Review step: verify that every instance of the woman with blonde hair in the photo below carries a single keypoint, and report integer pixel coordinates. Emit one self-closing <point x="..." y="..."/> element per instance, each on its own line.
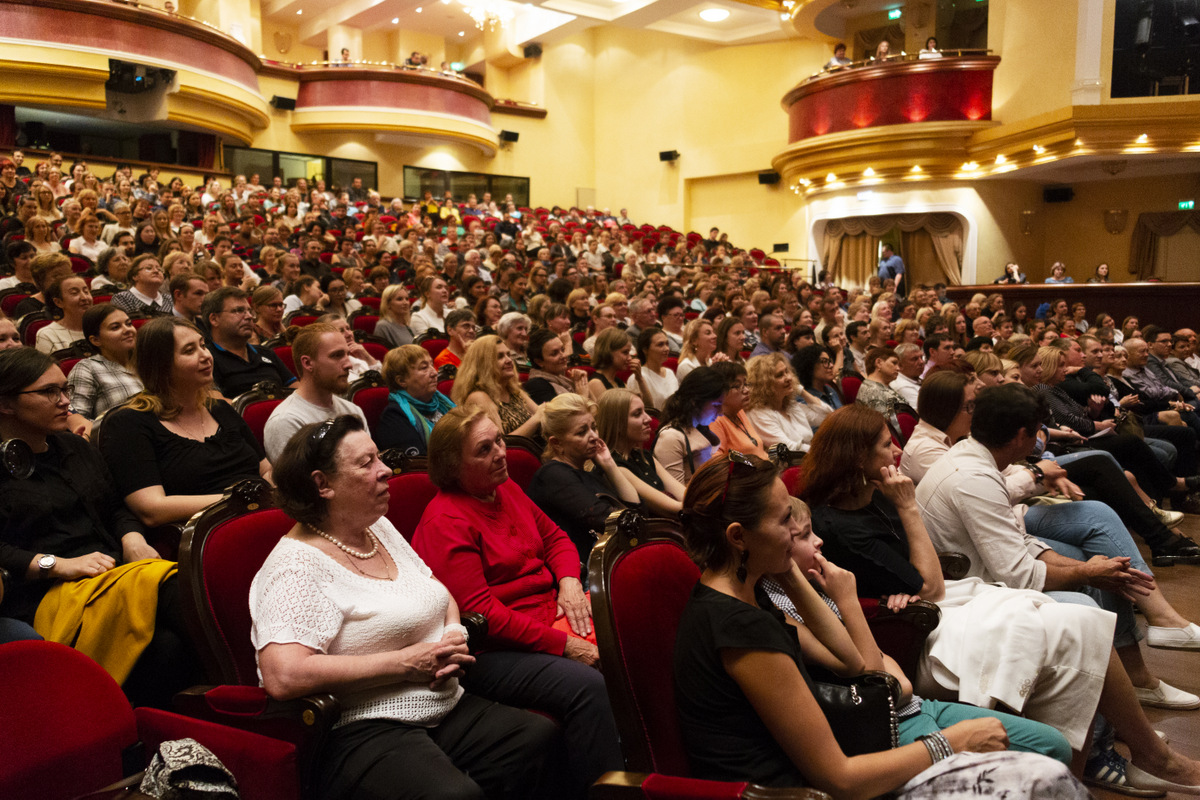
<point x="699" y="347"/>
<point x="37" y="233"/>
<point x="47" y="209"/>
<point x="774" y="408"/>
<point x="393" y="325"/>
<point x="488" y="378"/>
<point x="907" y="331"/>
<point x="267" y="303"/>
<point x="628" y="430"/>
<point x="574" y="497"/>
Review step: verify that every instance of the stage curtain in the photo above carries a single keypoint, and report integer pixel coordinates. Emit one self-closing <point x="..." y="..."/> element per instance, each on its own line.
<point x="1143" y="245"/>
<point x="935" y="257"/>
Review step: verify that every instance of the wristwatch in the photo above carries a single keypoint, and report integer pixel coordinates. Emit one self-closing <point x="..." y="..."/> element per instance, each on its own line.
<point x="45" y="564"/>
<point x="1038" y="475"/>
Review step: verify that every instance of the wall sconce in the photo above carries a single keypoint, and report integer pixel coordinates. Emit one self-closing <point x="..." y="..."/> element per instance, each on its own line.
<point x="1115" y="220"/>
<point x="1027" y="222"/>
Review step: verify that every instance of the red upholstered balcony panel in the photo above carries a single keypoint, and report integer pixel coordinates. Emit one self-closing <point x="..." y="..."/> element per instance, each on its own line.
<point x="390" y="95"/>
<point x="950" y="89"/>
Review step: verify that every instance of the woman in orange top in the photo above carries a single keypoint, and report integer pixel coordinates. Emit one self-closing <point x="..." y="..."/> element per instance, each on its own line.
<point x="733" y="427"/>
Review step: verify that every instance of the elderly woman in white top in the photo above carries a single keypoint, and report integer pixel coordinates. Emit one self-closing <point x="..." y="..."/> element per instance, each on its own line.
<point x="66" y="299"/>
<point x="344" y="605"/>
<point x="782" y="410"/>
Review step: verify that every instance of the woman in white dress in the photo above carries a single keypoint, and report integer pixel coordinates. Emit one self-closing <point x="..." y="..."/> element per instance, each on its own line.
<point x="657" y="383"/>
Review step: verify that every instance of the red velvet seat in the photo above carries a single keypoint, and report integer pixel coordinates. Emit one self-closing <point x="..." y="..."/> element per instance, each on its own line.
<point x="410" y="493"/>
<point x="850" y="386"/>
<point x="524" y="459"/>
<point x="908" y="423"/>
<point x="10" y="302"/>
<point x="641" y="578"/>
<point x="65" y="726"/>
<point x="446" y="386"/>
<point x="301" y="320"/>
<point x="285" y="355"/>
<point x="68" y="364"/>
<point x="79" y="264"/>
<point x="372" y="401"/>
<point x="434" y="346"/>
<point x="256" y="404"/>
<point x="378" y="351"/>
<point x="222" y="550"/>
<point x="30" y="330"/>
<point x="368" y="300"/>
<point x="365" y="322"/>
<point x="671" y="363"/>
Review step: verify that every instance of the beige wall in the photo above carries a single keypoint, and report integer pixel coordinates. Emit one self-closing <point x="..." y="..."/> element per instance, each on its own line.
<point x="1036" y="44"/>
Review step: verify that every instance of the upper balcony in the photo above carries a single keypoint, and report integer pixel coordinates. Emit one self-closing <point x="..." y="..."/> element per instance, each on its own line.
<point x="888" y="113"/>
<point x="387" y="98"/>
<point x="57" y="53"/>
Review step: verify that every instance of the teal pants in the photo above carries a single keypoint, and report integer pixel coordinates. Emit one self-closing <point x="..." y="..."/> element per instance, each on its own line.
<point x="1024" y="735"/>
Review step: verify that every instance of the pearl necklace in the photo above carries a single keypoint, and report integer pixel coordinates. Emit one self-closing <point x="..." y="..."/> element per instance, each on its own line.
<point x="364" y="556"/>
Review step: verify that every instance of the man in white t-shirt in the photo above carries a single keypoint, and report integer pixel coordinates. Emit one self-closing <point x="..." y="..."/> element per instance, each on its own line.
<point x="323" y="363"/>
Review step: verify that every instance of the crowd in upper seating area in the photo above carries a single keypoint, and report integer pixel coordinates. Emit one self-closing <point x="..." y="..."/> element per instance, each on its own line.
<point x="647" y="368"/>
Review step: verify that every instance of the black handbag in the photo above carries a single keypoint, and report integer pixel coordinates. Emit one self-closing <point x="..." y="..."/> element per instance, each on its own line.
<point x="860" y="710"/>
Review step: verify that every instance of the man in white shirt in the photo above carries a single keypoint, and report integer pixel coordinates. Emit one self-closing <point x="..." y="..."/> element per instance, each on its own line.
<point x="1091" y="560"/>
<point x="908" y="382"/>
<point x="323" y="362"/>
<point x="124" y="223"/>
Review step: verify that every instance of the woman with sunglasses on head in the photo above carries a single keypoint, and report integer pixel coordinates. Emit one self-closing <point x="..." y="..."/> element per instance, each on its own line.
<point x="745" y="701"/>
<point x="175" y="448"/>
<point x="344" y="605"/>
<point x="66" y="537"/>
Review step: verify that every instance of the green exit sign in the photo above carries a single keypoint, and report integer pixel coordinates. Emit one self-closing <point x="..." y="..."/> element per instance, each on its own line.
<point x="894" y="13"/>
<point x="1187" y="205"/>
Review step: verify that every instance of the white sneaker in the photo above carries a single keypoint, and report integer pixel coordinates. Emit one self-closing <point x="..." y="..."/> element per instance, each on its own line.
<point x="1167" y="696"/>
<point x="1175" y="638"/>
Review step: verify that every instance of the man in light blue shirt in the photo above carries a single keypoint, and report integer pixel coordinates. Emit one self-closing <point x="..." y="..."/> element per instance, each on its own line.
<point x="891" y="266"/>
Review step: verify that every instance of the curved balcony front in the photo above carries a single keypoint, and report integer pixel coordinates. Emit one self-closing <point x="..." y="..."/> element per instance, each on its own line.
<point x="56" y="53"/>
<point x="406" y="103"/>
<point x="884" y="112"/>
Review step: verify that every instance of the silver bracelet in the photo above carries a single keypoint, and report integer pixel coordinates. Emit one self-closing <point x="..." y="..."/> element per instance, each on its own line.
<point x="937" y="745"/>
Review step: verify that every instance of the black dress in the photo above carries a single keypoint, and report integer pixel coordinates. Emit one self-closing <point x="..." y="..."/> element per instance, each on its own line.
<point x="569" y="497"/>
<point x="724" y="737"/>
<point x="871" y="543"/>
<point x="141" y="452"/>
<point x="641" y="464"/>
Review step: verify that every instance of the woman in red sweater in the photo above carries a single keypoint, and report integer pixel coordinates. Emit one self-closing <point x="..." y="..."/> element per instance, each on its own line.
<point x="500" y="556"/>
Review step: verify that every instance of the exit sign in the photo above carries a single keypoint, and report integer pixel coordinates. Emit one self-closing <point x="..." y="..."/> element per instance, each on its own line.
<point x="1187" y="205"/>
<point x="894" y="13"/>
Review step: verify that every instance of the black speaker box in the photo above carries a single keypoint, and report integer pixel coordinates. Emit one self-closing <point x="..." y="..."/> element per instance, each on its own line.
<point x="283" y="103"/>
<point x="1058" y="194"/>
<point x="768" y="178"/>
<point x="668" y="155"/>
<point x="533" y="50"/>
<point x="509" y="136"/>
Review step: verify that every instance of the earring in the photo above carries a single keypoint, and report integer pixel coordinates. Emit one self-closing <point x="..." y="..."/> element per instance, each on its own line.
<point x="741" y="570"/>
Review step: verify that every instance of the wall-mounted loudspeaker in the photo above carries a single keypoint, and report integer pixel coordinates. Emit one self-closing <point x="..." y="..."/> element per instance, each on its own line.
<point x="533" y="50"/>
<point x="668" y="155"/>
<point x="283" y="103"/>
<point x="1058" y="194"/>
<point x="509" y="136"/>
<point x="780" y="247"/>
<point x="769" y="177"/>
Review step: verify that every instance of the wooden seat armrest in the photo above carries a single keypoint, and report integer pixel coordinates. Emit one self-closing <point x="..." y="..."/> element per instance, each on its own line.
<point x="303" y="721"/>
<point x="954" y="566"/>
<point x="921" y="614"/>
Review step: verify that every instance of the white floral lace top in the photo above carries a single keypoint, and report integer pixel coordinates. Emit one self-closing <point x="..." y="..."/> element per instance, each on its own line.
<point x="301" y="595"/>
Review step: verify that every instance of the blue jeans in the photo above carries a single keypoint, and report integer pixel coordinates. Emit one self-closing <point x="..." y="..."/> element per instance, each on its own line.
<point x="1025" y="735"/>
<point x="1081" y="530"/>
<point x="13" y="630"/>
<point x="1166" y="452"/>
<point x="1067" y="458"/>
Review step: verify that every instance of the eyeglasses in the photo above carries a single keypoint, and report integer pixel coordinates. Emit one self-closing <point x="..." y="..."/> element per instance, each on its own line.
<point x="825" y="361"/>
<point x="241" y="311"/>
<point x="53" y="392"/>
<point x="736" y="460"/>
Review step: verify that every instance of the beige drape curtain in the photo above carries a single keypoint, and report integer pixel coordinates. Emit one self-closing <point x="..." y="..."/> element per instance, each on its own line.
<point x="930" y="245"/>
<point x="866" y="41"/>
<point x="1143" y="245"/>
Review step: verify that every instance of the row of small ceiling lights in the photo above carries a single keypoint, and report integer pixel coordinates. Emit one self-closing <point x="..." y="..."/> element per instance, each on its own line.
<point x="396" y="20"/>
<point x="967" y="170"/>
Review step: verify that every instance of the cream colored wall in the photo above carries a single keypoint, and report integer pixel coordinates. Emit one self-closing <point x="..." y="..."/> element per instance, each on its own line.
<point x="1036" y="44"/>
<point x="297" y="52"/>
<point x="1079" y="239"/>
<point x="753" y="215"/>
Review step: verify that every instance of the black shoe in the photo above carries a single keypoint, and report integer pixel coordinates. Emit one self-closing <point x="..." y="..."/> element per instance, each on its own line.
<point x="1188" y="503"/>
<point x="1181" y="550"/>
<point x="1192" y="483"/>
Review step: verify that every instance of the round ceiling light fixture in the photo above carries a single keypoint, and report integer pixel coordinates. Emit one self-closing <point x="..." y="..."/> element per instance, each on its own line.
<point x="714" y="15"/>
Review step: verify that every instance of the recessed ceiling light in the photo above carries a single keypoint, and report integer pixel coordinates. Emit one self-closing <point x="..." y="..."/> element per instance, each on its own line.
<point x="462" y="33"/>
<point x="299" y="11"/>
<point x="419" y="9"/>
<point x="714" y="15"/>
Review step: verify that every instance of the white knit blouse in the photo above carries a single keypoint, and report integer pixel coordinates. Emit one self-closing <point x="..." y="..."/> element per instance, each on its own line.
<point x="302" y="595"/>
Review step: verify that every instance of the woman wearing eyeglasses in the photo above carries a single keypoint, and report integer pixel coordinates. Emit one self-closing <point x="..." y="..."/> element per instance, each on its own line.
<point x="817" y="372"/>
<point x="67" y="538"/>
<point x="175" y="448"/>
<point x="267" y="302"/>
